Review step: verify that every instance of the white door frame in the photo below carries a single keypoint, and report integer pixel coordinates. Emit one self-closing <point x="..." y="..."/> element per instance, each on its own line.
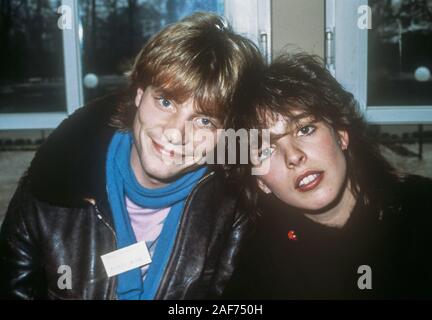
<point x="252" y="19"/>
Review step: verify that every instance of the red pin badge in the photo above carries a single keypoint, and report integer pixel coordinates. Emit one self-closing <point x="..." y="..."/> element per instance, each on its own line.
<point x="292" y="236"/>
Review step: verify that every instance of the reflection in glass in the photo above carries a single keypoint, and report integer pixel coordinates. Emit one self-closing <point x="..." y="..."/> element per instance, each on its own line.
<point x="400" y="53"/>
<point x="31" y="57"/>
<point x="115" y="30"/>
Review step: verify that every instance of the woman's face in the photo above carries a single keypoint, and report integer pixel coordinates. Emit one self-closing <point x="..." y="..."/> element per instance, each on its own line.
<point x="307" y="168"/>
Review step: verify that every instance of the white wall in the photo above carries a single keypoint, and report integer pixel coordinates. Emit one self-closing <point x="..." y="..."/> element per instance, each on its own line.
<point x="298" y="24"/>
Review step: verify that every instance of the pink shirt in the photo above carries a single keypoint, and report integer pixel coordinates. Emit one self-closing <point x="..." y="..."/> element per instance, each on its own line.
<point x="146" y="223"/>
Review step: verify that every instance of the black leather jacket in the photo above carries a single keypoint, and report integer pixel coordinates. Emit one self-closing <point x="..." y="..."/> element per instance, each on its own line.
<point x="60" y="215"/>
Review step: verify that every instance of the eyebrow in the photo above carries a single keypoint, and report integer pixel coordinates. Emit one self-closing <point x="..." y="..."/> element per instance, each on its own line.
<point x="160" y="94"/>
<point x="211" y="116"/>
<point x="300" y="116"/>
<point x="293" y="120"/>
<point x="198" y="109"/>
<point x="275" y="137"/>
<point x="204" y="114"/>
<point x="164" y="93"/>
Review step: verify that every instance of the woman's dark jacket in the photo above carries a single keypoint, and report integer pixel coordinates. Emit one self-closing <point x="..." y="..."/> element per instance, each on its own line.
<point x="60" y="216"/>
<point x="292" y="257"/>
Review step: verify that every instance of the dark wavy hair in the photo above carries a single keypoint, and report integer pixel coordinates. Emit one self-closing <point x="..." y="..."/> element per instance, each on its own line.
<point x="300" y="82"/>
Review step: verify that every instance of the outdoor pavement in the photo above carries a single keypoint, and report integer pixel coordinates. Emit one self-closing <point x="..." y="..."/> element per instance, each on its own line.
<point x="12" y="166"/>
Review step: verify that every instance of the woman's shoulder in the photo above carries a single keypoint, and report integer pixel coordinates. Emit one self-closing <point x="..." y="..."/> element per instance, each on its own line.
<point x="413" y="199"/>
<point x="415" y="180"/>
<point x="408" y="201"/>
<point x="415" y="188"/>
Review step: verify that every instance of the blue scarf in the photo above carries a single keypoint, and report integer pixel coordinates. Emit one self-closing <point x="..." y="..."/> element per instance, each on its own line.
<point x="121" y="181"/>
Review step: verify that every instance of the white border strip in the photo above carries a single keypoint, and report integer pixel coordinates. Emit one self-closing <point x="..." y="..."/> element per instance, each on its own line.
<point x="72" y="60"/>
<point x="40" y="120"/>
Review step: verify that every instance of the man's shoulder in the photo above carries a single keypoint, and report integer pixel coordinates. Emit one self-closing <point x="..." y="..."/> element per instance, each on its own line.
<point x="95" y="113"/>
<point x="86" y="120"/>
<point x="70" y="163"/>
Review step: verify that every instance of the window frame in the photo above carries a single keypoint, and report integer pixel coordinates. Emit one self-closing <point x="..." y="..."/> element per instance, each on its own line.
<point x="73" y="85"/>
<point x="347" y="59"/>
<point x="257" y="28"/>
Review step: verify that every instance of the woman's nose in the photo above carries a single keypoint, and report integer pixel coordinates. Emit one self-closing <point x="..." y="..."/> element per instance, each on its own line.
<point x="294" y="155"/>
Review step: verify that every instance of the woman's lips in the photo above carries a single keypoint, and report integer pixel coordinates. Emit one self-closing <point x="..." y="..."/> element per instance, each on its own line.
<point x="309" y="180"/>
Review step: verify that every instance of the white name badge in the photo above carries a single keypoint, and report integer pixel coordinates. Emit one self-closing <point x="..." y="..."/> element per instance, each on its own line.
<point x="125" y="259"/>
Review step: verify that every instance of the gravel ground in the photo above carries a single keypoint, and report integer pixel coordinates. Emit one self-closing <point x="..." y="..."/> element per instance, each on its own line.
<point x="12" y="166"/>
<point x="412" y="164"/>
<point x="14" y="163"/>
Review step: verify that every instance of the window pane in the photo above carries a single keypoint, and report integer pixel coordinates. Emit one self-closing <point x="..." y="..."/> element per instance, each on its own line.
<point x="400" y="53"/>
<point x="31" y="57"/>
<point x="115" y="30"/>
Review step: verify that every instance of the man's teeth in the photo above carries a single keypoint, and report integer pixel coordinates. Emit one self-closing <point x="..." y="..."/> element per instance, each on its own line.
<point x="308" y="179"/>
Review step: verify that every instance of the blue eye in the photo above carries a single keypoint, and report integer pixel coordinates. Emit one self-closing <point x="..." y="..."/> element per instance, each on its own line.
<point x="164" y="102"/>
<point x="205" y="123"/>
<point x="265" y="153"/>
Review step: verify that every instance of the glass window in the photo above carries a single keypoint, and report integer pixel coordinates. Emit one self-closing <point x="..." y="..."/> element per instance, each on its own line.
<point x="31" y="57"/>
<point x="54" y="52"/>
<point x="381" y="51"/>
<point x="113" y="32"/>
<point x="400" y="53"/>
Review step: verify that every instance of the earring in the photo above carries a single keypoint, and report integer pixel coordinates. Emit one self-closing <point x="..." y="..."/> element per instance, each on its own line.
<point x="343" y="146"/>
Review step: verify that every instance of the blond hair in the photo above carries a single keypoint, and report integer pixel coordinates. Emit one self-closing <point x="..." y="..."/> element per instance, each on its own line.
<point x="200" y="57"/>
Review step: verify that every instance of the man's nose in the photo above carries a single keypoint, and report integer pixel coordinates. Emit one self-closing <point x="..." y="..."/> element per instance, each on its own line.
<point x="175" y="129"/>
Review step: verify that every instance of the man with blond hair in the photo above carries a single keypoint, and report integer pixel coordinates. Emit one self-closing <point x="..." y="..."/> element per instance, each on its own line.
<point x="113" y="206"/>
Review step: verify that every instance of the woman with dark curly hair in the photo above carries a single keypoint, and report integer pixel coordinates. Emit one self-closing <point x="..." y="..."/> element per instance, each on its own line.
<point x="335" y="219"/>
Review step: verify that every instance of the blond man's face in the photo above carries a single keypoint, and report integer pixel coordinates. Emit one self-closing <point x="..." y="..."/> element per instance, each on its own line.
<point x="170" y="139"/>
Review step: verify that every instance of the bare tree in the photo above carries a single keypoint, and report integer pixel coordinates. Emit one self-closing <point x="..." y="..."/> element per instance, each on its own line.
<point x="132" y="9"/>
